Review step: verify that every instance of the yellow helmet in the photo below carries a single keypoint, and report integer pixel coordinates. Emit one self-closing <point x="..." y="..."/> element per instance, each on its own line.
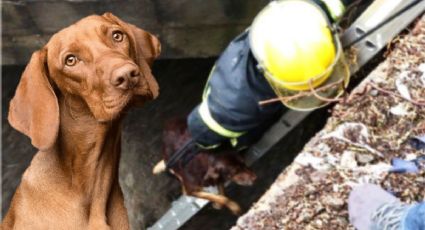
<point x="293" y="43"/>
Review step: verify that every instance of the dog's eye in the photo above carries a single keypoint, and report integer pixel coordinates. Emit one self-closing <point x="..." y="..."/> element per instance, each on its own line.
<point x="71" y="60"/>
<point x="118" y="36"/>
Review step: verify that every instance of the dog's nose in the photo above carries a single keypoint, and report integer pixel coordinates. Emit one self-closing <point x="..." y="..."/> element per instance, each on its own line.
<point x="125" y="77"/>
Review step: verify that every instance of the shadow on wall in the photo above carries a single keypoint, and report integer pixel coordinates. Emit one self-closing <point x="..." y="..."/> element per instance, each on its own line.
<point x="17" y="150"/>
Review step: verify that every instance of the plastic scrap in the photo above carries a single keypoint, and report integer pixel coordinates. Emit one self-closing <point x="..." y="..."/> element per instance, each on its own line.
<point x="405" y="166"/>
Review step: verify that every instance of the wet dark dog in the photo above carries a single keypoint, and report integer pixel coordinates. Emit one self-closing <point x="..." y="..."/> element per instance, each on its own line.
<point x="205" y="168"/>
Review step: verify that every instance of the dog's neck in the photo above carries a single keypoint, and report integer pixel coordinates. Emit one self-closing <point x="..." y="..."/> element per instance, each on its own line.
<point x="90" y="149"/>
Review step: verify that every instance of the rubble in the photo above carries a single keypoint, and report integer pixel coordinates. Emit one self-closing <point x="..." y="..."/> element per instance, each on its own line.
<point x="366" y="131"/>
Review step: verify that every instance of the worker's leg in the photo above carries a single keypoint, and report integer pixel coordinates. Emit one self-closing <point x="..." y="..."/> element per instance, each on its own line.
<point x="372" y="208"/>
<point x="362" y="203"/>
<point x="415" y="218"/>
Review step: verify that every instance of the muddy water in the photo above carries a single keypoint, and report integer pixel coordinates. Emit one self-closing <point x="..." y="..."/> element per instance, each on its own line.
<point x="148" y="196"/>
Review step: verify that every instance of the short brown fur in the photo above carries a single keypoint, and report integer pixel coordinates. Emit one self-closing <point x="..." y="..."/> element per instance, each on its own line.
<point x="72" y="114"/>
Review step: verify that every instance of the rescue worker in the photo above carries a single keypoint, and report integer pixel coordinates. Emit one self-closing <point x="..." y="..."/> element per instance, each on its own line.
<point x="290" y="40"/>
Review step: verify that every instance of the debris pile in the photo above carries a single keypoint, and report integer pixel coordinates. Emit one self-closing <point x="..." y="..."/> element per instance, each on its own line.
<point x="365" y="133"/>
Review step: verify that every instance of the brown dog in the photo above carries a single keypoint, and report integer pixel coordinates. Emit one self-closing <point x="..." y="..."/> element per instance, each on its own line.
<point x="205" y="168"/>
<point x="69" y="102"/>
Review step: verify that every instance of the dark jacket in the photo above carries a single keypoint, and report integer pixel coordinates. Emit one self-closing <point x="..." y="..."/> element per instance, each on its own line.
<point x="234" y="88"/>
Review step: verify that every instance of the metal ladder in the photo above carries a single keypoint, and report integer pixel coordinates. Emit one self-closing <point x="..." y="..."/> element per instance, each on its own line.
<point x="186" y="207"/>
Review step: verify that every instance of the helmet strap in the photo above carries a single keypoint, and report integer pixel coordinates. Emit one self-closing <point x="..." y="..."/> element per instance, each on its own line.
<point x="332" y="8"/>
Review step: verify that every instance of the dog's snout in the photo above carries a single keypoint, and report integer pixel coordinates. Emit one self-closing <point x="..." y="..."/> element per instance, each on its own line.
<point x="125" y="77"/>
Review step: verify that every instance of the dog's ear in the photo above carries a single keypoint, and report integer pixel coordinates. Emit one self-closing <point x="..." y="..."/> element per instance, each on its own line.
<point x="146" y="46"/>
<point x="34" y="109"/>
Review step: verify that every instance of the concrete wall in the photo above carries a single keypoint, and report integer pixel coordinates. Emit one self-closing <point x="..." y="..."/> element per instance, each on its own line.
<point x="186" y="28"/>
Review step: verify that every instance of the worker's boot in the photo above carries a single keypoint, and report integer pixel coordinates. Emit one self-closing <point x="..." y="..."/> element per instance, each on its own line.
<point x="371" y="207"/>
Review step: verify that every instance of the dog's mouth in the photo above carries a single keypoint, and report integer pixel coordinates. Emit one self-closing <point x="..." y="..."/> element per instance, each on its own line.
<point x="143" y="90"/>
<point x="114" y="104"/>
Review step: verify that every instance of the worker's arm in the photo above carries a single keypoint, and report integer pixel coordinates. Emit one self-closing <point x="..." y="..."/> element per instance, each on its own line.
<point x="229" y="111"/>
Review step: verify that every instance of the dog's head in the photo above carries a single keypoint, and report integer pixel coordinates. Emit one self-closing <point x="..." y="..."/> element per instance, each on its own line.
<point x="230" y="165"/>
<point x="100" y="60"/>
<point x="244" y="176"/>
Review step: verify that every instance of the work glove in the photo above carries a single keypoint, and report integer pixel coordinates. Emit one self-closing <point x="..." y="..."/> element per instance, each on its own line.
<point x="407" y="166"/>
